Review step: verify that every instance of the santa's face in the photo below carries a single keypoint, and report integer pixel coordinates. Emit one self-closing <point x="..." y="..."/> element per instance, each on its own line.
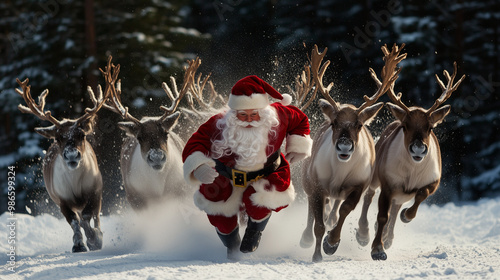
<point x="245" y="134"/>
<point x="250" y="115"/>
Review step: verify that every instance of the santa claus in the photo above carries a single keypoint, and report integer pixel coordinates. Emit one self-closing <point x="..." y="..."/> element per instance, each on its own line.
<point x="236" y="161"/>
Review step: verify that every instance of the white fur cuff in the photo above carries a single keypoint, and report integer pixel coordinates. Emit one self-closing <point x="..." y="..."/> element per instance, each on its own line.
<point x="301" y="144"/>
<point x="227" y="208"/>
<point x="192" y="162"/>
<point x="271" y="199"/>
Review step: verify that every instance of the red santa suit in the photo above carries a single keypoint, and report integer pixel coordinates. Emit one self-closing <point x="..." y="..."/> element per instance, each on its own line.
<point x="225" y="197"/>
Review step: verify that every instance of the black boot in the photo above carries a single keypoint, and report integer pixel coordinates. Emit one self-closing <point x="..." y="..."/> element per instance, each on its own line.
<point x="252" y="235"/>
<point x="232" y="242"/>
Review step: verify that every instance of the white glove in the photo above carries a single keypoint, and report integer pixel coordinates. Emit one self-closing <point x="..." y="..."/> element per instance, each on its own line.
<point x="205" y="174"/>
<point x="293" y="157"/>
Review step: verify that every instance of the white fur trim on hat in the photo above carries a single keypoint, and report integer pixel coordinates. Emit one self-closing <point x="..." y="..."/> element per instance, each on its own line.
<point x="287" y="99"/>
<point x="271" y="199"/>
<point x="192" y="162"/>
<point x="243" y="102"/>
<point x="227" y="208"/>
<point x="301" y="144"/>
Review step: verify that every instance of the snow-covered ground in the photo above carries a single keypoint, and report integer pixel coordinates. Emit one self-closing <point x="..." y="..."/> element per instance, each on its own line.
<point x="176" y="242"/>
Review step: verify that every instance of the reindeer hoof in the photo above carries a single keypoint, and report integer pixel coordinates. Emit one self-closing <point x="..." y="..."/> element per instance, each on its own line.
<point x="382" y="256"/>
<point x="403" y="216"/>
<point x="378" y="254"/>
<point x="79" y="248"/>
<point x="317" y="258"/>
<point x="96" y="242"/>
<point x="363" y="240"/>
<point x="330" y="249"/>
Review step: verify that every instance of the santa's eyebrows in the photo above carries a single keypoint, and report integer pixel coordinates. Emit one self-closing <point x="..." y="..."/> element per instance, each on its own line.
<point x="245" y="112"/>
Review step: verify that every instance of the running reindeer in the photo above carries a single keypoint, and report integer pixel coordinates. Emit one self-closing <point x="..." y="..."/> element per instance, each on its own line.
<point x="70" y="169"/>
<point x="150" y="158"/>
<point x="408" y="164"/>
<point x="343" y="153"/>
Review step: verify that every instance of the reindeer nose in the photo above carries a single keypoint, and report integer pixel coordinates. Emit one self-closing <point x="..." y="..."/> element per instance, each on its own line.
<point x="71" y="154"/>
<point x="72" y="157"/>
<point x="344" y="147"/>
<point x="418" y="147"/>
<point x="418" y="150"/>
<point x="156" y="158"/>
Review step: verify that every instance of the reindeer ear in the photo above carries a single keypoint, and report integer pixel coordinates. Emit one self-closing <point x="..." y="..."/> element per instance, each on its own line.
<point x="47" y="132"/>
<point x="130" y="128"/>
<point x="438" y="115"/>
<point x="368" y="114"/>
<point x="171" y="121"/>
<point x="329" y="111"/>
<point x="396" y="111"/>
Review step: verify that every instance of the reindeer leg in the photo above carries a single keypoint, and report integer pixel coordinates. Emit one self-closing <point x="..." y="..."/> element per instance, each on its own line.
<point x="307" y="235"/>
<point x="318" y="201"/>
<point x="136" y="200"/>
<point x="363" y="233"/>
<point x="74" y="221"/>
<point x="384" y="203"/>
<point x="409" y="214"/>
<point x="94" y="235"/>
<point x="333" y="216"/>
<point x="388" y="234"/>
<point x="332" y="240"/>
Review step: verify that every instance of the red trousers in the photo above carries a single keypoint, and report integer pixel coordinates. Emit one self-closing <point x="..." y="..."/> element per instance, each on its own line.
<point x="226" y="224"/>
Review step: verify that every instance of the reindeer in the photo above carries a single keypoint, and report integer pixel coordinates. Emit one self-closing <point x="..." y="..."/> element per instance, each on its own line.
<point x="70" y="169"/>
<point x="343" y="153"/>
<point x="151" y="154"/>
<point x="408" y="164"/>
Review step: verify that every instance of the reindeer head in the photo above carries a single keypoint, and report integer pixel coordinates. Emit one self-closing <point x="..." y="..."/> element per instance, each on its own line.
<point x="69" y="135"/>
<point x="346" y="120"/>
<point x="346" y="123"/>
<point x="152" y="133"/>
<point x="417" y="123"/>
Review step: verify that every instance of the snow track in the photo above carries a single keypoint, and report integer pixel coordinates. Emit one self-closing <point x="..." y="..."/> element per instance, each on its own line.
<point x="177" y="242"/>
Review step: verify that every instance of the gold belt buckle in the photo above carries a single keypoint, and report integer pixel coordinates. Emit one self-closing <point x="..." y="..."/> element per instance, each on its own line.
<point x="239" y="178"/>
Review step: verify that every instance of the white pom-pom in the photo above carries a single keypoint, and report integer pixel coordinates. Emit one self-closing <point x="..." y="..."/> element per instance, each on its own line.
<point x="287" y="99"/>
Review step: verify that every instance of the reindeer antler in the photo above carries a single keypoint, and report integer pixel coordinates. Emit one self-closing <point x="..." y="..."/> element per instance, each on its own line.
<point x="33" y="108"/>
<point x="304" y="85"/>
<point x="389" y="74"/>
<point x="448" y="89"/>
<point x="176" y="95"/>
<point x="318" y="72"/>
<point x="113" y="88"/>
<point x="196" y="93"/>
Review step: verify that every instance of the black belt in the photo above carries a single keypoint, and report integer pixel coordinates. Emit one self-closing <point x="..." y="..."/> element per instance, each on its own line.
<point x="241" y="178"/>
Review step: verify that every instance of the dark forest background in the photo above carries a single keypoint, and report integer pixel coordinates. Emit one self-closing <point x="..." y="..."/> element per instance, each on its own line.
<point x="60" y="44"/>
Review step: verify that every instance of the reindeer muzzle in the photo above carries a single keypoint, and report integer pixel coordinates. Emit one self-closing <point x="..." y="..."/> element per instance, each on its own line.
<point x="156" y="158"/>
<point x="344" y="147"/>
<point x="418" y="150"/>
<point x="72" y="157"/>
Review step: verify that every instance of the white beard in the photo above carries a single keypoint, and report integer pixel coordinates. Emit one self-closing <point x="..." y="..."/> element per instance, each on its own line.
<point x="247" y="143"/>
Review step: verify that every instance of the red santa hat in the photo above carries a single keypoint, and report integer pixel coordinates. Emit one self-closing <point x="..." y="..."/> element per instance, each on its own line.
<point x="251" y="93"/>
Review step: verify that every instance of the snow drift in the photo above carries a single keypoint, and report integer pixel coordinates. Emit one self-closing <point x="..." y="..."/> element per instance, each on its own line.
<point x="175" y="241"/>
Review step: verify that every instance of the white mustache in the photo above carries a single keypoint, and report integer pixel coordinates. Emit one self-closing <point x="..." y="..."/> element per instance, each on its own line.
<point x="245" y="124"/>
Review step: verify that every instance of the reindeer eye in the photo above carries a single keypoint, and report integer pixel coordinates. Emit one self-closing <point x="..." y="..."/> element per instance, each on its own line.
<point x="335" y="123"/>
